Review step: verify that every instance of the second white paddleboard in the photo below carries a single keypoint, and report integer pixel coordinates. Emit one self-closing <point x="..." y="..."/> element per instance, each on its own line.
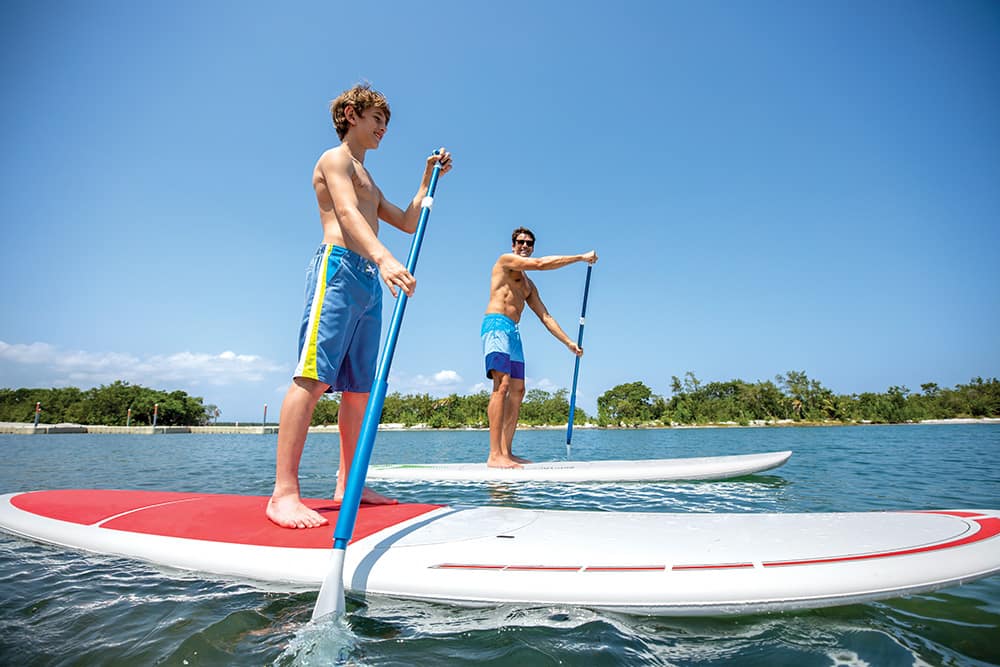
<point x="650" y="470"/>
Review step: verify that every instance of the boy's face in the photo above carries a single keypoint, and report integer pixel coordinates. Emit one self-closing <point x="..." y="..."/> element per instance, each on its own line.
<point x="370" y="126"/>
<point x="524" y="245"/>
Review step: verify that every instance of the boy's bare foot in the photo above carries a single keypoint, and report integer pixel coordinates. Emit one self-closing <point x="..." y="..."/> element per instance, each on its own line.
<point x="519" y="459"/>
<point x="289" y="512"/>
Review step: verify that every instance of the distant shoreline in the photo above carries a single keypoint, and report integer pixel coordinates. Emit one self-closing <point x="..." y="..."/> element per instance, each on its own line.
<point x="20" y="428"/>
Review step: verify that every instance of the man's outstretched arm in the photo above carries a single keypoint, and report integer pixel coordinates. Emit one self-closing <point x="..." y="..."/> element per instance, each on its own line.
<point x="517" y="263"/>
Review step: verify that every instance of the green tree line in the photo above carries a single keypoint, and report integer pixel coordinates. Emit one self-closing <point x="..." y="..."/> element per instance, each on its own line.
<point x="540" y="408"/>
<point x="791" y="396"/>
<point x="105" y="405"/>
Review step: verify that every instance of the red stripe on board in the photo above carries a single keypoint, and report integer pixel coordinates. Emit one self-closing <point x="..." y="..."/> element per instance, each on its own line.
<point x="988" y="527"/>
<point x="721" y="566"/>
<point x="551" y="568"/>
<point x="508" y="568"/>
<point x="625" y="568"/>
<point x="207" y="516"/>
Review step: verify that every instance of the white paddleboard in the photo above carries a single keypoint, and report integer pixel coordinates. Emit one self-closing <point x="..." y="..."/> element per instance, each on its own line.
<point x="649" y="563"/>
<point x="654" y="470"/>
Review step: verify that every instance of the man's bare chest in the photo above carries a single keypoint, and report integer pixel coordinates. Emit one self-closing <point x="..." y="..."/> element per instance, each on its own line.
<point x="519" y="285"/>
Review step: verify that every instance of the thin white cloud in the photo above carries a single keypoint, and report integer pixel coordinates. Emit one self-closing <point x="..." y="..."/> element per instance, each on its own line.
<point x="26" y="354"/>
<point x="48" y="365"/>
<point x="441" y="383"/>
<point x="447" y="377"/>
<point x="545" y="384"/>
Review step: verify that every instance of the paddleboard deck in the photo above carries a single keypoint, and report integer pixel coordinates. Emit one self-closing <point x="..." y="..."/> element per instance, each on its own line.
<point x="655" y="470"/>
<point x="648" y="563"/>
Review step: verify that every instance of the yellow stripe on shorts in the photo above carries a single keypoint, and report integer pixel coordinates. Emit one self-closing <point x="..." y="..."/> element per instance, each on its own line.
<point x="307" y="364"/>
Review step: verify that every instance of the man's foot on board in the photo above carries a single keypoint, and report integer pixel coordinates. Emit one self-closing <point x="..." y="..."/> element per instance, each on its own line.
<point x="519" y="459"/>
<point x="289" y="512"/>
<point x="502" y="462"/>
<point x="369" y="497"/>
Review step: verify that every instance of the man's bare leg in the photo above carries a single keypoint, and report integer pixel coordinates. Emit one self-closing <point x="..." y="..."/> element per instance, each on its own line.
<point x="352" y="413"/>
<point x="496" y="411"/>
<point x="512" y="412"/>
<point x="285" y="507"/>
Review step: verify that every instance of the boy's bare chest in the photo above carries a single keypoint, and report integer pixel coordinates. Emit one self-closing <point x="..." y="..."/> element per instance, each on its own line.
<point x="364" y="185"/>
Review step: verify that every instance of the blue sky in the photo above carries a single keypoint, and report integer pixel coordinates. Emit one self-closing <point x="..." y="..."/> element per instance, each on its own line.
<point x="771" y="186"/>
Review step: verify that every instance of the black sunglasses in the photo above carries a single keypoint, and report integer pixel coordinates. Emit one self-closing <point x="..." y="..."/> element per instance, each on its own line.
<point x="528" y="242"/>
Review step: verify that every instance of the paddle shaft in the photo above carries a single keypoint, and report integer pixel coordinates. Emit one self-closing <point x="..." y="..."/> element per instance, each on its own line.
<point x="576" y="369"/>
<point x="331" y="595"/>
<point x="376" y="399"/>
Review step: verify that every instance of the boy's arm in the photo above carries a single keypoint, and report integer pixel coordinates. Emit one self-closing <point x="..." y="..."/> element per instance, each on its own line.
<point x="535" y="303"/>
<point x="337" y="172"/>
<point x="518" y="263"/>
<point x="407" y="220"/>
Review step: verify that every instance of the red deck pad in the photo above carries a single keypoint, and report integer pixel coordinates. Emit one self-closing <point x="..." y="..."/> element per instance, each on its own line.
<point x="205" y="516"/>
<point x="88" y="506"/>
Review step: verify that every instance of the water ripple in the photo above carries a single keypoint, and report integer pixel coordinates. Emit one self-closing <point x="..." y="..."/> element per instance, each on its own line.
<point x="62" y="607"/>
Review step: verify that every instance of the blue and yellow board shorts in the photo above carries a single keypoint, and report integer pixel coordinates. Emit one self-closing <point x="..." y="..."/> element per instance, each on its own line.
<point x="338" y="341"/>
<point x="502" y="346"/>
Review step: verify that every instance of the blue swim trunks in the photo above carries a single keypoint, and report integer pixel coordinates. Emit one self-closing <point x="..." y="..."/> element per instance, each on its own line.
<point x="338" y="341"/>
<point x="502" y="346"/>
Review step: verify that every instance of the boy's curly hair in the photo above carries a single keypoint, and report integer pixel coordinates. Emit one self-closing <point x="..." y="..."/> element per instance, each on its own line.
<point x="361" y="97"/>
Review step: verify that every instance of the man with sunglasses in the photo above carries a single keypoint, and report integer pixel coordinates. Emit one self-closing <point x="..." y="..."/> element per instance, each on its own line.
<point x="510" y="290"/>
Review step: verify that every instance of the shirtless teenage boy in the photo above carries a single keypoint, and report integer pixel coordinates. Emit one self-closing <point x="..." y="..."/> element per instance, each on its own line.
<point x="339" y="337"/>
<point x="510" y="289"/>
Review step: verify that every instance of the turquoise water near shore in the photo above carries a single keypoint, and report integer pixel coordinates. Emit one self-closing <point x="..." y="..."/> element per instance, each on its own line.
<point x="68" y="608"/>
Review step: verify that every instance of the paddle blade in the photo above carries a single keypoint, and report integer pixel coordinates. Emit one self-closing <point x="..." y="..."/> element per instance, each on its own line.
<point x="331" y="593"/>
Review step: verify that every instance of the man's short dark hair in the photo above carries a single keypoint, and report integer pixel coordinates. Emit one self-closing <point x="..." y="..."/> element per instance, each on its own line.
<point x="522" y="230"/>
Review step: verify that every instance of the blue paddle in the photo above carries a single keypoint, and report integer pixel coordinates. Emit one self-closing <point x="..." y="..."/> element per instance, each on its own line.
<point x="331" y="593"/>
<point x="576" y="370"/>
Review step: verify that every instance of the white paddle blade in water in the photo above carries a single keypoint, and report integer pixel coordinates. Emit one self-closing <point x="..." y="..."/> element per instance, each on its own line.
<point x="331" y="593"/>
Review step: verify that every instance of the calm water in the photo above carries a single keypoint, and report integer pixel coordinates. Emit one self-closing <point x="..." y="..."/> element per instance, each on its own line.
<point x="68" y="608"/>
